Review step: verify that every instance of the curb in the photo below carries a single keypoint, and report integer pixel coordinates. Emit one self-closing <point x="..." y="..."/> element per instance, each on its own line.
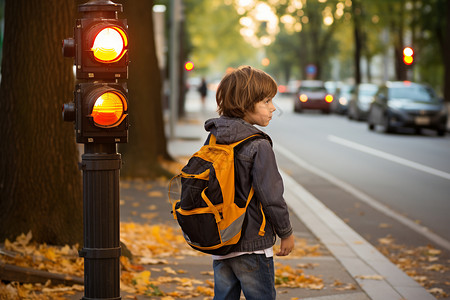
<point x="377" y="276"/>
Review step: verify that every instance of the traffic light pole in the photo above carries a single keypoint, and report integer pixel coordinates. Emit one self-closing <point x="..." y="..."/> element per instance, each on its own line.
<point x="101" y="252"/>
<point x="99" y="112"/>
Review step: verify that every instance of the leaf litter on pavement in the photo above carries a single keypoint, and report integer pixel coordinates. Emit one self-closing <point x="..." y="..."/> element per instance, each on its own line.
<point x="151" y="246"/>
<point x="423" y="264"/>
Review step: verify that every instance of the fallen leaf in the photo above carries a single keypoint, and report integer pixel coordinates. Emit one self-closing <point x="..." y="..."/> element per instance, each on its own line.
<point x="384" y="225"/>
<point x="169" y="270"/>
<point x="370" y="277"/>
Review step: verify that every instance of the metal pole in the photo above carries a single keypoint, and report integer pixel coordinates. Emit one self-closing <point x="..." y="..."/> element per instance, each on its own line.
<point x="101" y="251"/>
<point x="174" y="63"/>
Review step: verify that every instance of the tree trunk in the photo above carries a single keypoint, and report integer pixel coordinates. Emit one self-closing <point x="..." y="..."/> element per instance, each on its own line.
<point x="397" y="29"/>
<point x="40" y="183"/>
<point x="356" y="10"/>
<point x="445" y="52"/>
<point x="147" y="140"/>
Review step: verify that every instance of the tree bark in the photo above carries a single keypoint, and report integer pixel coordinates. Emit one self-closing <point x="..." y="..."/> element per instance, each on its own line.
<point x="446" y="51"/>
<point x="147" y="140"/>
<point x="40" y="183"/>
<point x="356" y="10"/>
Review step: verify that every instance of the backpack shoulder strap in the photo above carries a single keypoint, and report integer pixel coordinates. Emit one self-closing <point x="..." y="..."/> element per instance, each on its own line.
<point x="212" y="139"/>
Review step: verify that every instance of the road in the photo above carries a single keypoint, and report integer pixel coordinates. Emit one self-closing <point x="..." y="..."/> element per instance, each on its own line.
<point x="366" y="177"/>
<point x="407" y="174"/>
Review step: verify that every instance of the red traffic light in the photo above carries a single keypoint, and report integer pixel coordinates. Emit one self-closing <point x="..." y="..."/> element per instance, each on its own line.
<point x="408" y="54"/>
<point x="110" y="44"/>
<point x="189" y="66"/>
<point x="100" y="47"/>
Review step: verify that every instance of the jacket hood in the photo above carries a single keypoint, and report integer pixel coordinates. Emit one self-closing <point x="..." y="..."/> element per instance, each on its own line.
<point x="229" y="130"/>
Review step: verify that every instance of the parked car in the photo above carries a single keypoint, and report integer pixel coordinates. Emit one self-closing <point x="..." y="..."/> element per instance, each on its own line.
<point x="358" y="107"/>
<point x="332" y="86"/>
<point x="343" y="95"/>
<point x="312" y="95"/>
<point x="407" y="104"/>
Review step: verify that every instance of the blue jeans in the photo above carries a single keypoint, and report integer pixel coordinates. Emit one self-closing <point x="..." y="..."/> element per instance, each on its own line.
<point x="253" y="273"/>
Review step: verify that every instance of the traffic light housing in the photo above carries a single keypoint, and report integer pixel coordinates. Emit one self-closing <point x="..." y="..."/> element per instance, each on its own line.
<point x="100" y="51"/>
<point x="100" y="113"/>
<point x="408" y="56"/>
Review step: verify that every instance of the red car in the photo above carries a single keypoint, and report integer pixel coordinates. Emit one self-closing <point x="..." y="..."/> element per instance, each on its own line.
<point x="312" y="95"/>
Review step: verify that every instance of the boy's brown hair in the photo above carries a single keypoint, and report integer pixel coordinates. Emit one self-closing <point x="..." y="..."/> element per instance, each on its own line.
<point x="241" y="89"/>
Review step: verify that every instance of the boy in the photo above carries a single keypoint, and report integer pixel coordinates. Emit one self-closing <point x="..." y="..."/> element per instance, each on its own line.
<point x="244" y="98"/>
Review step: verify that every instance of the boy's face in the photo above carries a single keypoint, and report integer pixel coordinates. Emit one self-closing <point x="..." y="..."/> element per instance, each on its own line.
<point x="262" y="114"/>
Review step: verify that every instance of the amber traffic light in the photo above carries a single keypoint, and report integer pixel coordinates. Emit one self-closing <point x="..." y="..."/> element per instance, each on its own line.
<point x="109" y="109"/>
<point x="103" y="113"/>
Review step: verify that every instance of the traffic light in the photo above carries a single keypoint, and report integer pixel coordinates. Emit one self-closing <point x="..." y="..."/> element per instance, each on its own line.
<point x="100" y="51"/>
<point x="100" y="112"/>
<point x="408" y="56"/>
<point x="189" y="66"/>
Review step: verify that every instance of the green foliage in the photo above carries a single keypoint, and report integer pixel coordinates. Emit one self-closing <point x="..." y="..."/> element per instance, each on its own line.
<point x="384" y="27"/>
<point x="213" y="28"/>
<point x="307" y="36"/>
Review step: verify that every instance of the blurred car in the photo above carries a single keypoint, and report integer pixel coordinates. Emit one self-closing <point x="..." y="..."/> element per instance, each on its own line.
<point x="343" y="95"/>
<point x="332" y="86"/>
<point x="312" y="95"/>
<point x="358" y="107"/>
<point x="407" y="104"/>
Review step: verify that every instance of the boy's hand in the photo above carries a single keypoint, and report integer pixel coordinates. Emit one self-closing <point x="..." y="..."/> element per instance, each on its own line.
<point x="286" y="246"/>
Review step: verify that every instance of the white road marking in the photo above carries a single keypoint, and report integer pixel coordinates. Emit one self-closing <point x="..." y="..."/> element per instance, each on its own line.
<point x="365" y="198"/>
<point x="388" y="156"/>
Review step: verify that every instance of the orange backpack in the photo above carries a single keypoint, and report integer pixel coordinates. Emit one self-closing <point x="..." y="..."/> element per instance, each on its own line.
<point x="208" y="213"/>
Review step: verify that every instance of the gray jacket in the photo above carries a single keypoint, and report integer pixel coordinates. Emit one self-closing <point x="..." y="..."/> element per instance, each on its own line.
<point x="255" y="165"/>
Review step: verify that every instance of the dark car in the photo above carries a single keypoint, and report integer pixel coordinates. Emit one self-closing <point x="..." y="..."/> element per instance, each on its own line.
<point x="358" y="107"/>
<point x="343" y="95"/>
<point x="312" y="95"/>
<point x="407" y="104"/>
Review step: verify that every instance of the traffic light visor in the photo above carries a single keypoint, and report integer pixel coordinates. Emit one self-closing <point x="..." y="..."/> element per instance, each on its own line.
<point x="109" y="109"/>
<point x="110" y="44"/>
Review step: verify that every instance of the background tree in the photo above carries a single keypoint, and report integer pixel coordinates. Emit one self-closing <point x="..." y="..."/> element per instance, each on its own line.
<point x="357" y="15"/>
<point x="147" y="140"/>
<point x="432" y="46"/>
<point x="284" y="56"/>
<point x="40" y="184"/>
<point x="214" y="31"/>
<point x="308" y="28"/>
